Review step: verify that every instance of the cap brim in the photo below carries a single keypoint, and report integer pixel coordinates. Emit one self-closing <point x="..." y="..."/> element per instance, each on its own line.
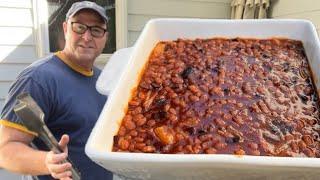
<point x="104" y="17"/>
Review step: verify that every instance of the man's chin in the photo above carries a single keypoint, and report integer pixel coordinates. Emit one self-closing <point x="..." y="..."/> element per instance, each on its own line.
<point x="86" y="56"/>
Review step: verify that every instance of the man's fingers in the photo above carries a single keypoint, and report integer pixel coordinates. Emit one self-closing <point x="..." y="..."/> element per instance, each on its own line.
<point x="54" y="162"/>
<point x="64" y="175"/>
<point x="60" y="168"/>
<point x="68" y="178"/>
<point x="64" y="142"/>
<point x="53" y="158"/>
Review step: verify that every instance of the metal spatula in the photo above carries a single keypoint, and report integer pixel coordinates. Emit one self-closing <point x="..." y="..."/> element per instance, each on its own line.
<point x="32" y="116"/>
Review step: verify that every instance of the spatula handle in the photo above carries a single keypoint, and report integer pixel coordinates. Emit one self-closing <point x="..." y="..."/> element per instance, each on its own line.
<point x="52" y="143"/>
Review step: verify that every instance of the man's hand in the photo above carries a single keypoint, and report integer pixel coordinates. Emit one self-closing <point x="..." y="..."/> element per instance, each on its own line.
<point x="53" y="161"/>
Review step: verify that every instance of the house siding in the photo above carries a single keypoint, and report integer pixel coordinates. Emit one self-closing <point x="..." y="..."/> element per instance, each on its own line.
<point x="297" y="9"/>
<point x="17" y="48"/>
<point x="140" y="11"/>
<point x="17" y="41"/>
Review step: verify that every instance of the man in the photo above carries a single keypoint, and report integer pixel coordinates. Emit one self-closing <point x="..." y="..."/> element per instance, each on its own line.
<point x="63" y="85"/>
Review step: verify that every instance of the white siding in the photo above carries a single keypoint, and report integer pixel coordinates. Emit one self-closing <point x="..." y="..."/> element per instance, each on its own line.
<point x="4" y="87"/>
<point x="9" y="71"/>
<point x="18" y="35"/>
<point x="297" y="9"/>
<point x="140" y="11"/>
<point x="20" y="17"/>
<point x="17" y="41"/>
<point x="16" y="48"/>
<point x="16" y="3"/>
<point x="17" y="54"/>
<point x="1" y="102"/>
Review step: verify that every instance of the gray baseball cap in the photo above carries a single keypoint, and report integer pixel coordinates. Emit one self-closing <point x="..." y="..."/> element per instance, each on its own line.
<point x="77" y="6"/>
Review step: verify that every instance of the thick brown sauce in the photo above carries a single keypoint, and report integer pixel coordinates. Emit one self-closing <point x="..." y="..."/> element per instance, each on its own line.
<point x="224" y="96"/>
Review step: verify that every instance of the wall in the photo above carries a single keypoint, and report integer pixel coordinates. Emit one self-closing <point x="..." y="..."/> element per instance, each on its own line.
<point x="17" y="41"/>
<point x="297" y="9"/>
<point x="140" y="11"/>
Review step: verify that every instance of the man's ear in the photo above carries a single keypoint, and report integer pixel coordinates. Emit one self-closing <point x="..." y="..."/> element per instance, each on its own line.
<point x="65" y="25"/>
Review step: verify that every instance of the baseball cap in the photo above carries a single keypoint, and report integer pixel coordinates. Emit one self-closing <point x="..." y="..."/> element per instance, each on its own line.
<point x="77" y="6"/>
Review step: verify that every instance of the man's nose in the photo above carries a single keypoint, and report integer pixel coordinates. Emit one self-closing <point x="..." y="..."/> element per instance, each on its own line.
<point x="87" y="35"/>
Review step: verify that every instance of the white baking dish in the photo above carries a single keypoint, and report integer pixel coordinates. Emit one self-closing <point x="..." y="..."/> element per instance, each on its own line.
<point x="166" y="166"/>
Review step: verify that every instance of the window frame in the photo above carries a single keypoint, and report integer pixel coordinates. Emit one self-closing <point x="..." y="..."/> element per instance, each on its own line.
<point x="40" y="17"/>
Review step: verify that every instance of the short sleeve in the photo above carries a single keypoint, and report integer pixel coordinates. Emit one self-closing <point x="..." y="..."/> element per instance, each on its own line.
<point x="23" y="85"/>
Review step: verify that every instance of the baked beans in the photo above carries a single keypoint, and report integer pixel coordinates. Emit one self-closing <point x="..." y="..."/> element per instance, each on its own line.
<point x="224" y="96"/>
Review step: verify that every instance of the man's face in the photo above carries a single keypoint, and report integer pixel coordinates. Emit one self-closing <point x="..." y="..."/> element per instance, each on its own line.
<point x="84" y="47"/>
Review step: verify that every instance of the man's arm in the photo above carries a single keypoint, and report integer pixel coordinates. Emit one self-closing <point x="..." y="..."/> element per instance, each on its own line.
<point x="17" y="156"/>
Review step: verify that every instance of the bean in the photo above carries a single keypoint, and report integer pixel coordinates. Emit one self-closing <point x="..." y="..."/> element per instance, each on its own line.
<point x="197" y="149"/>
<point x="246" y="88"/>
<point x="134" y="103"/>
<point x="131" y="147"/>
<point x="151" y="122"/>
<point x="219" y="122"/>
<point x="308" y="140"/>
<point x="140" y="146"/>
<point x="133" y="133"/>
<point x="289" y="137"/>
<point x="193" y="88"/>
<point x="238" y="120"/>
<point x="129" y="124"/>
<point x="253" y="146"/>
<point x="138" y="139"/>
<point x="204" y="97"/>
<point x="227" y="116"/>
<point x="189" y="148"/>
<point x="206" y="144"/>
<point x="294" y="146"/>
<point x="302" y="145"/>
<point x="220" y="145"/>
<point x="173" y="118"/>
<point x="240" y="152"/>
<point x="255" y="152"/>
<point x="149" y="149"/>
<point x="263" y="107"/>
<point x="179" y="137"/>
<point x="308" y="152"/>
<point x="177" y="80"/>
<point x="194" y="98"/>
<point x="239" y="105"/>
<point x="122" y="131"/>
<point x="205" y="137"/>
<point x="216" y="91"/>
<point x="123" y="144"/>
<point x="211" y="151"/>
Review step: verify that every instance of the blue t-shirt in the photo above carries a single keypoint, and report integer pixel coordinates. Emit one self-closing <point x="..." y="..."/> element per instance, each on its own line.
<point x="70" y="102"/>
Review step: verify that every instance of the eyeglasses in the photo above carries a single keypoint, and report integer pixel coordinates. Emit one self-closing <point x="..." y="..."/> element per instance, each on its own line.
<point x="95" y="31"/>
